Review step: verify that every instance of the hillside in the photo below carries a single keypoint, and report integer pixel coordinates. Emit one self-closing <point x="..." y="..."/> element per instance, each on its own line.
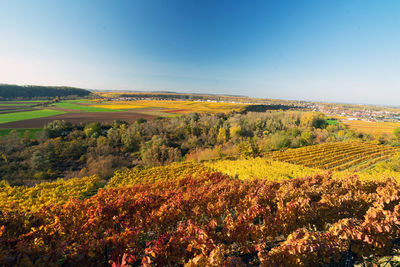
<point x="10" y="92"/>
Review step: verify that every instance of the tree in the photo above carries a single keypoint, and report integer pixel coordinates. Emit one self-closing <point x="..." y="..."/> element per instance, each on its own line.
<point x="40" y="161"/>
<point x="221" y="137"/>
<point x="306" y="138"/>
<point x="236" y="131"/>
<point x="92" y="129"/>
<point x="156" y="152"/>
<point x="313" y="119"/>
<point x="57" y="128"/>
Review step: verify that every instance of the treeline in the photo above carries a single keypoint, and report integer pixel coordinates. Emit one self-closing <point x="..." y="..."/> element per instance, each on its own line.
<point x="264" y="108"/>
<point x="65" y="150"/>
<point x="12" y="92"/>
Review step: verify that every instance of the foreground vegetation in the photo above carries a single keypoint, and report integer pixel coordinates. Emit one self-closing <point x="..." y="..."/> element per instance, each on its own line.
<point x="211" y="220"/>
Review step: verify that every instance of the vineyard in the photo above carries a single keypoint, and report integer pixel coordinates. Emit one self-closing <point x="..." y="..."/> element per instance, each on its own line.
<point x="257" y="212"/>
<point x="38" y="196"/>
<point x="264" y="168"/>
<point x="261" y="168"/>
<point x="336" y="156"/>
<point x="173" y="171"/>
<point x="211" y="220"/>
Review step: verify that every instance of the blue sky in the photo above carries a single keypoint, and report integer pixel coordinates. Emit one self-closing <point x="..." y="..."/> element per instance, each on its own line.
<point x="343" y="51"/>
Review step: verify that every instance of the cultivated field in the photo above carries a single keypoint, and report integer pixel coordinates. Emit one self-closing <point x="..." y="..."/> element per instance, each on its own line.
<point x="17" y="114"/>
<point x="77" y="118"/>
<point x="18" y="106"/>
<point x="81" y="107"/>
<point x="177" y="107"/>
<point x="26" y="115"/>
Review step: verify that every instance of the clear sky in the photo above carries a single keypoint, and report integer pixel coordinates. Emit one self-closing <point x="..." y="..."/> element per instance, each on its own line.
<point x="344" y="51"/>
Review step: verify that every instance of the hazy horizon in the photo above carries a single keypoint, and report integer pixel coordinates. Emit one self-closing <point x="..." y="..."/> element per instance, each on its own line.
<point x="331" y="51"/>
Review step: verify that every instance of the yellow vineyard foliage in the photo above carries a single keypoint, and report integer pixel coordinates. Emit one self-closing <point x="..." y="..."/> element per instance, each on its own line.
<point x="265" y="168"/>
<point x="150" y="175"/>
<point x="262" y="168"/>
<point x="47" y="193"/>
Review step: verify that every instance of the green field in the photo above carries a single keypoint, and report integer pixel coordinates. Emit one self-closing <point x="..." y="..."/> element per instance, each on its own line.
<point x="72" y="106"/>
<point x="332" y="122"/>
<point x="27" y="115"/>
<point x="33" y="132"/>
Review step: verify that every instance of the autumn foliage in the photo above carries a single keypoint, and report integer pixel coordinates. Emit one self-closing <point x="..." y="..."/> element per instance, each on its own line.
<point x="210" y="220"/>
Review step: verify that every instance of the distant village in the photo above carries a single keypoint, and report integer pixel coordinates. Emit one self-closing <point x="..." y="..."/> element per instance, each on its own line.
<point x="364" y="113"/>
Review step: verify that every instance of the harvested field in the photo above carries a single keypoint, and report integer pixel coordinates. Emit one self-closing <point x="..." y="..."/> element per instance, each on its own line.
<point x="77" y="118"/>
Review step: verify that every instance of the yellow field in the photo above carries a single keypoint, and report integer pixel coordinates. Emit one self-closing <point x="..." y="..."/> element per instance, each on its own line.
<point x="181" y="107"/>
<point x="378" y="127"/>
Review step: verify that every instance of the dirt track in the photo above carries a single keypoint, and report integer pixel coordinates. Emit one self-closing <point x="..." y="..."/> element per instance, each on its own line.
<point x="76" y="118"/>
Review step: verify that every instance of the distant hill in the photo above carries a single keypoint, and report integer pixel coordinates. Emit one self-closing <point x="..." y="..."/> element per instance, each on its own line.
<point x="264" y="108"/>
<point x="9" y="91"/>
